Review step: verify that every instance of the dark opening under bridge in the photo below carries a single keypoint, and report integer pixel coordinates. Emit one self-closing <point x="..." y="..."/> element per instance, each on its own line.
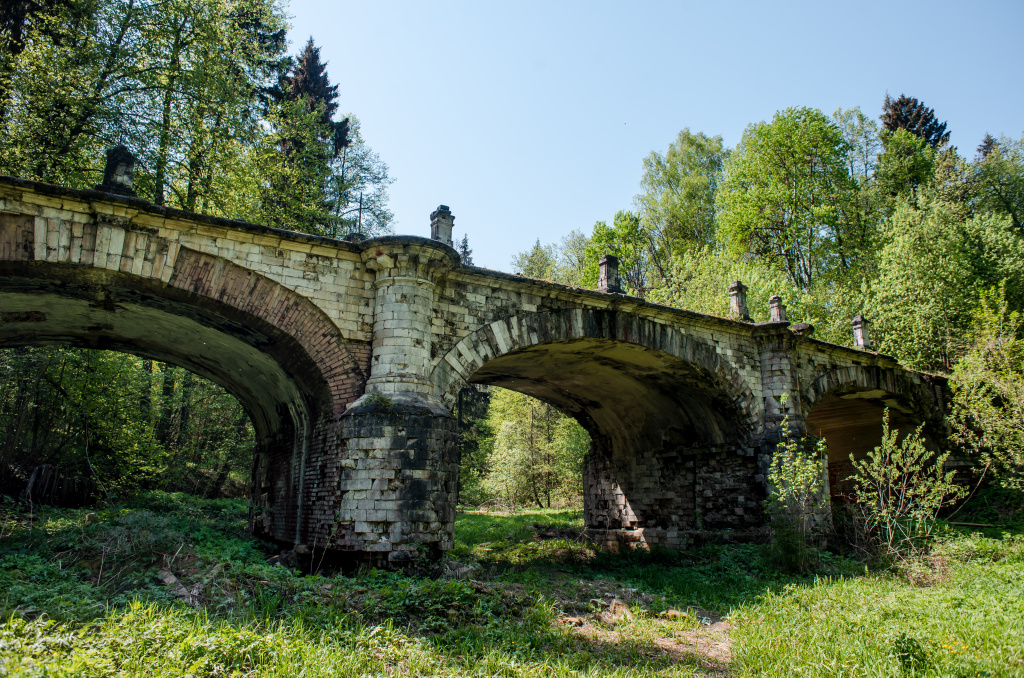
<point x="349" y="358"/>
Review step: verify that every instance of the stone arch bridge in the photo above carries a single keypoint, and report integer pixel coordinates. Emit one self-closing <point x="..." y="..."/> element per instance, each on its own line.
<point x="349" y="357"/>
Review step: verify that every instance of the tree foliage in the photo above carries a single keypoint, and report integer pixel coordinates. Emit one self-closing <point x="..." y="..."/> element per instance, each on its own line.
<point x="537" y="454"/>
<point x="203" y="94"/>
<point x="628" y="240"/>
<point x="119" y="423"/>
<point x="1000" y="179"/>
<point x="540" y="261"/>
<point x="785" y="194"/>
<point x="988" y="392"/>
<point x="907" y="164"/>
<point x="678" y="189"/>
<point x="907" y="113"/>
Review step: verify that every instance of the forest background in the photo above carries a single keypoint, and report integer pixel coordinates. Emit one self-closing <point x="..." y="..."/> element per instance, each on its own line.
<point x="840" y="213"/>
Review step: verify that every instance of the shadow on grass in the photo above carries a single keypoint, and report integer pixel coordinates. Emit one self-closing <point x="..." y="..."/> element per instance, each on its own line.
<point x="536" y="596"/>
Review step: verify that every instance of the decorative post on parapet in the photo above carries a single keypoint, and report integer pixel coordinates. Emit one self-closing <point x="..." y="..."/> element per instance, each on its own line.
<point x="776" y="310"/>
<point x="738" y="301"/>
<point x="860" y="333"/>
<point x="441" y="224"/>
<point x="118" y="175"/>
<point x="609" y="275"/>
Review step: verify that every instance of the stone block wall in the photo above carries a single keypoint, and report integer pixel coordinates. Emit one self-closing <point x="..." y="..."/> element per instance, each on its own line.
<point x="399" y="480"/>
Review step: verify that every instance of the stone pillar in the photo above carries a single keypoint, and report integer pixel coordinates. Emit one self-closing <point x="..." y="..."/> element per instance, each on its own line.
<point x="738" y="300"/>
<point x="118" y="175"/>
<point x="860" y="333"/>
<point x="441" y="224"/>
<point x="776" y="311"/>
<point x="609" y="275"/>
<point x="401" y="467"/>
<point x="779" y="383"/>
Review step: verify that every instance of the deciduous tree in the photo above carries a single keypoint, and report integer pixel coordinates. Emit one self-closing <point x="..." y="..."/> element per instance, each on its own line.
<point x="784" y="195"/>
<point x="677" y="198"/>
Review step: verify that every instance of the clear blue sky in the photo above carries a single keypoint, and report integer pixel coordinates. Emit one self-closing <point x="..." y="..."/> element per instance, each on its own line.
<point x="530" y="119"/>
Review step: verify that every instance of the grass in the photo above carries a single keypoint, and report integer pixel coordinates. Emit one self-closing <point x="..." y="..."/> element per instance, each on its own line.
<point x="82" y="594"/>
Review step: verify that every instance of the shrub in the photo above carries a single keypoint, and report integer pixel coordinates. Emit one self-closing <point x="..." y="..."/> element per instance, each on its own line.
<point x="796" y="475"/>
<point x="899" y="490"/>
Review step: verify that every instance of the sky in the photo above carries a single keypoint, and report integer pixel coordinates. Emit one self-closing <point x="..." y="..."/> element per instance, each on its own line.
<point x="531" y="119"/>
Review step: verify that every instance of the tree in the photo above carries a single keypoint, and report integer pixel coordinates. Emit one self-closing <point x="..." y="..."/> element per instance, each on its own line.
<point x="861" y="134"/>
<point x="572" y="259"/>
<point x="323" y="178"/>
<point x="785" y="193"/>
<point x="70" y="89"/>
<point x="907" y="164"/>
<point x="926" y="287"/>
<point x="628" y="240"/>
<point x="358" y="188"/>
<point x="988" y="392"/>
<point x="464" y="252"/>
<point x="537" y="454"/>
<point x="306" y="140"/>
<point x="180" y="83"/>
<point x="677" y="198"/>
<point x="540" y="261"/>
<point x="1000" y="178"/>
<point x="907" y="113"/>
<point x="987" y="145"/>
<point x="118" y="420"/>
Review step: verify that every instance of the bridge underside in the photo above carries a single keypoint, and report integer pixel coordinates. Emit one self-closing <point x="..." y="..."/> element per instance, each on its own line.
<point x="261" y="366"/>
<point x="851" y="424"/>
<point x="670" y="452"/>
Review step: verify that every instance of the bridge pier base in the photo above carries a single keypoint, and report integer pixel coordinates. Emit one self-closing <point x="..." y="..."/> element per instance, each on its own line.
<point x="665" y="499"/>
<point x="399" y="477"/>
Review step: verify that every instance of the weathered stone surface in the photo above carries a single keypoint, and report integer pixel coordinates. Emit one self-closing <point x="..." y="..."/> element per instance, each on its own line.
<point x="350" y="355"/>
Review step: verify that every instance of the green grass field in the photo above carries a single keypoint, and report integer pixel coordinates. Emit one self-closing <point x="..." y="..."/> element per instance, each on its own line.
<point x="86" y="595"/>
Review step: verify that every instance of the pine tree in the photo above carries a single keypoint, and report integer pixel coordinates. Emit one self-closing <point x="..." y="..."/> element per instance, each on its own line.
<point x="987" y="145"/>
<point x="912" y="115"/>
<point x="308" y="82"/>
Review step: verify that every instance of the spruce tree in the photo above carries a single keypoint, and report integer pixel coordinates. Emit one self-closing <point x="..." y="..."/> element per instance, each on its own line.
<point x="987" y="145"/>
<point x="463" y="247"/>
<point x="912" y="115"/>
<point x="307" y="140"/>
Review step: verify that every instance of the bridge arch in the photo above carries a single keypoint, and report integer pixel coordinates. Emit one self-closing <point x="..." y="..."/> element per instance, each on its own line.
<point x="271" y="348"/>
<point x="669" y="416"/>
<point x="481" y="355"/>
<point x="845" y="406"/>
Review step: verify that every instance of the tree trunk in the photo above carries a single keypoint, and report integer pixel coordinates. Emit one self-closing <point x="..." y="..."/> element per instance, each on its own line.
<point x="165" y="119"/>
<point x="163" y="426"/>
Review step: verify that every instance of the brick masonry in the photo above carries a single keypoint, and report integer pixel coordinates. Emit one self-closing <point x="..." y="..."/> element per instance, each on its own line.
<point x="350" y="357"/>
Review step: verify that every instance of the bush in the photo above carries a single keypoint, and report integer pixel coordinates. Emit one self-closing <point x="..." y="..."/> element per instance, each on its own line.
<point x="797" y="479"/>
<point x="899" y="490"/>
